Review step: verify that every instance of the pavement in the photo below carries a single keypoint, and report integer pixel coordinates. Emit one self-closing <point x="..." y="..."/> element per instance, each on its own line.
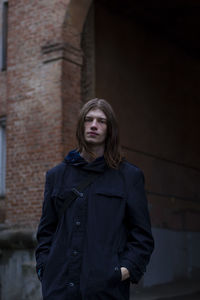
<point x="180" y="290"/>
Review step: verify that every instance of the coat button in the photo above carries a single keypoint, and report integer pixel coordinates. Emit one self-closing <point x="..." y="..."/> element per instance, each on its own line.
<point x="75" y="252"/>
<point x="71" y="284"/>
<point x="78" y="223"/>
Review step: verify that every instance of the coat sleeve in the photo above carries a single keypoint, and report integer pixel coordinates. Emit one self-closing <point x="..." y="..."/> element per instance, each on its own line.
<point x="46" y="228"/>
<point x="140" y="242"/>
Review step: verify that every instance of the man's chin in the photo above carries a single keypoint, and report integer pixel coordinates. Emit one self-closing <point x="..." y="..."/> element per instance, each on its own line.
<point x="93" y="143"/>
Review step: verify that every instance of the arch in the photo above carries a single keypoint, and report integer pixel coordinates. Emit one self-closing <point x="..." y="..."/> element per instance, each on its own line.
<point x="72" y="62"/>
<point x="76" y="14"/>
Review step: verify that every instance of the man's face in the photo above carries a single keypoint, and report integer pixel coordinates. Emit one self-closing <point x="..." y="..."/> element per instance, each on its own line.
<point x="95" y="127"/>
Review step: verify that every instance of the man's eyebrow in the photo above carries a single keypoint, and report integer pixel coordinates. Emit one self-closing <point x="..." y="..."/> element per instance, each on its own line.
<point x="101" y="118"/>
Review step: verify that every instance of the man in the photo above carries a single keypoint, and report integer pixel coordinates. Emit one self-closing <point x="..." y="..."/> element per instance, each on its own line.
<point x="102" y="240"/>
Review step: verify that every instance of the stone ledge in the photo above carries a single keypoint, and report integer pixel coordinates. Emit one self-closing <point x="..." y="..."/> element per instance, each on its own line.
<point x="17" y="239"/>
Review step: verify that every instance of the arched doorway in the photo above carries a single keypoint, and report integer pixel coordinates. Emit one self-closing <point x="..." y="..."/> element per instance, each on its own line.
<point x="143" y="65"/>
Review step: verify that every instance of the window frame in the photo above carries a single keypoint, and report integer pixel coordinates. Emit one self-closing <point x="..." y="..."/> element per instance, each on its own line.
<point x="4" y="35"/>
<point x="2" y="157"/>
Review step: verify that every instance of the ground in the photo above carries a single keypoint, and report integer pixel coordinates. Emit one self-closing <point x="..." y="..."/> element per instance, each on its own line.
<point x="181" y="290"/>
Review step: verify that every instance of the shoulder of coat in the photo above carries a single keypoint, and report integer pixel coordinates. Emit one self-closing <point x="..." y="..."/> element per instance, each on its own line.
<point x="57" y="169"/>
<point x="131" y="173"/>
<point x="126" y="166"/>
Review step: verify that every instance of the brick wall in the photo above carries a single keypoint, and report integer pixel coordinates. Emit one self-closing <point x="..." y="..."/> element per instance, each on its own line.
<point x="47" y="79"/>
<point x="3" y="109"/>
<point x="34" y="107"/>
<point x="41" y="97"/>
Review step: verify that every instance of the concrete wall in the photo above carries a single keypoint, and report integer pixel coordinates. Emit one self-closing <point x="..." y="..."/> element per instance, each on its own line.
<point x="17" y="276"/>
<point x="176" y="256"/>
<point x="18" y="279"/>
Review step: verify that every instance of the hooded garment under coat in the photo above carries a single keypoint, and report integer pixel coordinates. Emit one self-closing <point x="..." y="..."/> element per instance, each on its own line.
<point x="108" y="227"/>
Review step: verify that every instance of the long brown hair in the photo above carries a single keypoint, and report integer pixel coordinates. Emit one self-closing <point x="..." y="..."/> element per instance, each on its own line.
<point x="112" y="152"/>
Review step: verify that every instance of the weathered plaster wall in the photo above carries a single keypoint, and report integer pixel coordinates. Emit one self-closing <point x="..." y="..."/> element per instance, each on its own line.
<point x="154" y="87"/>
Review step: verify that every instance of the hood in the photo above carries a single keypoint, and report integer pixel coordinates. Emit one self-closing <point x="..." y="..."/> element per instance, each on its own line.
<point x="75" y="159"/>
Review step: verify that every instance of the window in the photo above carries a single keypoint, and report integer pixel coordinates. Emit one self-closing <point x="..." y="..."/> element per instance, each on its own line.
<point x="2" y="156"/>
<point x="4" y="33"/>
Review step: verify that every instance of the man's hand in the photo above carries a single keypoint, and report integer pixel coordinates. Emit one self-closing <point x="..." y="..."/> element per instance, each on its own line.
<point x="125" y="273"/>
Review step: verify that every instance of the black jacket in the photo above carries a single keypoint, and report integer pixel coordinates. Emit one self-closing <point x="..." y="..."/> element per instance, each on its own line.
<point x="107" y="228"/>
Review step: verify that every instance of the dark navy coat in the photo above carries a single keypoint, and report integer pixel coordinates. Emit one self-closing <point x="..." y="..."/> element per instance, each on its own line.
<point x="79" y="255"/>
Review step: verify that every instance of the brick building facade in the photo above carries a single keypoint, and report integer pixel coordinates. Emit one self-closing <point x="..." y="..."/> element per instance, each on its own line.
<point x="57" y="54"/>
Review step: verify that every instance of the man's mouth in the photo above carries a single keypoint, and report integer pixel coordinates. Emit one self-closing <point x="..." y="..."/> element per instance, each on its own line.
<point x="92" y="133"/>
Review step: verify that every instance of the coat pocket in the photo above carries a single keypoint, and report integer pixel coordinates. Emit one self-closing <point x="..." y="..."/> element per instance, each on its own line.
<point x="109" y="197"/>
<point x="115" y="272"/>
<point x="110" y="192"/>
<point x="109" y="205"/>
<point x="106" y="275"/>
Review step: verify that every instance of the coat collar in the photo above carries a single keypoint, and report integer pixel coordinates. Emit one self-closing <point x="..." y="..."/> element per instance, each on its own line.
<point x="75" y="159"/>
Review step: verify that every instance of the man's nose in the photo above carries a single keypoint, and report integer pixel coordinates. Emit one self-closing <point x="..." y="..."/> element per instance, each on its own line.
<point x="94" y="124"/>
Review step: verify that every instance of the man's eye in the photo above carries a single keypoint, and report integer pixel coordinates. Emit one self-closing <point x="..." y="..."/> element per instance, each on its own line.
<point x="88" y="119"/>
<point x="102" y="121"/>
